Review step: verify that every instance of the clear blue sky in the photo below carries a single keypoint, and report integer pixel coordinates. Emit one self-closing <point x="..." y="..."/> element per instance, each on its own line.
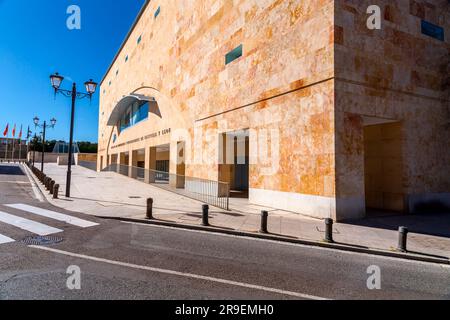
<point x="35" y="42"/>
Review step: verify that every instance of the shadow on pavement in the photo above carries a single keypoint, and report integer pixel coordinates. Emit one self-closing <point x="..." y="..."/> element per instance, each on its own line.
<point x="11" y="170"/>
<point x="434" y="224"/>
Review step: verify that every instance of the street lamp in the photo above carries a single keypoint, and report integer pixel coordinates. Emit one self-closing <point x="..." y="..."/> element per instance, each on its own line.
<point x="44" y="126"/>
<point x="56" y="81"/>
<point x="35" y="141"/>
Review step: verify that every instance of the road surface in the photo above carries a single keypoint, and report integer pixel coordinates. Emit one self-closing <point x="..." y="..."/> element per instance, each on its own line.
<point x="120" y="260"/>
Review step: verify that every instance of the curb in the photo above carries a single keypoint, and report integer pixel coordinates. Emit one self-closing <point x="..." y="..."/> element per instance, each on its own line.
<point x="35" y="185"/>
<point x="277" y="238"/>
<point x="333" y="246"/>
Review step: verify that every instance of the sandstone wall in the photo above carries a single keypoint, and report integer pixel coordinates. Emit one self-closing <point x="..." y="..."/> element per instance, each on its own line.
<point x="396" y="73"/>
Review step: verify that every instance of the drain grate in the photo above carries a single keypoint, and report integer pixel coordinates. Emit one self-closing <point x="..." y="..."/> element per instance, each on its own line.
<point x="134" y="197"/>
<point x="41" y="241"/>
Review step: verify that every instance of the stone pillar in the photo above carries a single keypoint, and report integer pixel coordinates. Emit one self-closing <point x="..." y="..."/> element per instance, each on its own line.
<point x="132" y="165"/>
<point x="120" y="162"/>
<point x="150" y="164"/>
<point x="181" y="165"/>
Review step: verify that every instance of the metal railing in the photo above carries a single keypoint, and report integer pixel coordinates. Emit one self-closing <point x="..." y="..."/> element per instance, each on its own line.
<point x="2" y="160"/>
<point x="215" y="193"/>
<point x="91" y="165"/>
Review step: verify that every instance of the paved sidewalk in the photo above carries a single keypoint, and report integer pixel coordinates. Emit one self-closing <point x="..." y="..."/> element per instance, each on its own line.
<point x="108" y="194"/>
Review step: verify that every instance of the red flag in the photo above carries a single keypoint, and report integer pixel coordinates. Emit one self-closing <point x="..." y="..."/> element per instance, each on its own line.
<point x="20" y="133"/>
<point x="14" y="131"/>
<point x="5" y="133"/>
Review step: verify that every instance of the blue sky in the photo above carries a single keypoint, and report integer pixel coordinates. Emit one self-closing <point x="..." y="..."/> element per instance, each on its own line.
<point x="35" y="42"/>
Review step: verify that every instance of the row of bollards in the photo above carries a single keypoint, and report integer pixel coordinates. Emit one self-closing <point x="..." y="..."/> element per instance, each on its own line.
<point x="48" y="182"/>
<point x="328" y="238"/>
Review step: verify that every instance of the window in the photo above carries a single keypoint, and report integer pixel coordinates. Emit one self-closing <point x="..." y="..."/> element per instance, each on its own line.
<point x="110" y="83"/>
<point x="126" y="58"/>
<point x="134" y="114"/>
<point x="117" y="72"/>
<point x="139" y="39"/>
<point x="233" y="55"/>
<point x="157" y="12"/>
<point x="432" y="30"/>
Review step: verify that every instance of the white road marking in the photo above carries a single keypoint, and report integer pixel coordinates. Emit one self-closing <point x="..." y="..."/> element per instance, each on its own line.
<point x="28" y="225"/>
<point x="54" y="215"/>
<point x="183" y="274"/>
<point x="445" y="266"/>
<point x="4" y="239"/>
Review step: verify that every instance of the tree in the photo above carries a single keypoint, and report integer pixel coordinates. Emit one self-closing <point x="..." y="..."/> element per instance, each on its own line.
<point x="88" y="147"/>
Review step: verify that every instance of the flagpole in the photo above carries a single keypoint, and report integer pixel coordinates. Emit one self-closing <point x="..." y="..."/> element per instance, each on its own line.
<point x="20" y="144"/>
<point x="7" y="143"/>
<point x="13" y="149"/>
<point x="20" y="150"/>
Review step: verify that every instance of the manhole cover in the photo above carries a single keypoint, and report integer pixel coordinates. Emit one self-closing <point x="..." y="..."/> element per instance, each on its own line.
<point x="41" y="241"/>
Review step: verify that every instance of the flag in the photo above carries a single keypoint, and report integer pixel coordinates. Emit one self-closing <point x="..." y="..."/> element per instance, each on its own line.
<point x="6" y="132"/>
<point x="28" y="133"/>
<point x="20" y="133"/>
<point x="14" y="131"/>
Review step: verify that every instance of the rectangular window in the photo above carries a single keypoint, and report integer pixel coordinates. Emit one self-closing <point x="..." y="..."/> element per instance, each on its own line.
<point x="139" y="39"/>
<point x="117" y="72"/>
<point x="135" y="113"/>
<point x="157" y="12"/>
<point x="126" y="58"/>
<point x="432" y="30"/>
<point x="233" y="55"/>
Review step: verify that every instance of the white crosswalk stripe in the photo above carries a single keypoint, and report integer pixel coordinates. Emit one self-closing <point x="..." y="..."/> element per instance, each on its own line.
<point x="54" y="215"/>
<point x="5" y="239"/>
<point x="28" y="225"/>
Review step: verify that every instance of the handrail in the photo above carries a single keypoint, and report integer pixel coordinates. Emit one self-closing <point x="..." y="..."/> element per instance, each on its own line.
<point x="215" y="193"/>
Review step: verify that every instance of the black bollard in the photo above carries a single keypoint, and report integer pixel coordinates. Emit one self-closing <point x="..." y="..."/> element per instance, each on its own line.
<point x="402" y="239"/>
<point x="329" y="230"/>
<point x="149" y="208"/>
<point x="264" y="221"/>
<point x="52" y="186"/>
<point x="205" y="209"/>
<point x="55" y="191"/>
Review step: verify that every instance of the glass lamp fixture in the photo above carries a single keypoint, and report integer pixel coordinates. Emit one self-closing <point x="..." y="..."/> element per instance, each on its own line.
<point x="56" y="80"/>
<point x="91" y="86"/>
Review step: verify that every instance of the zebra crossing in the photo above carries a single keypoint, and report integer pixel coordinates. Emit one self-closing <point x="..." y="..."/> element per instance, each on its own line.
<point x="30" y="225"/>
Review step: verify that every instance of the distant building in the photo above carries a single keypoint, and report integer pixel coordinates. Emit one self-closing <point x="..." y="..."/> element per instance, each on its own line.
<point x="63" y="147"/>
<point x="295" y="104"/>
<point x="13" y="149"/>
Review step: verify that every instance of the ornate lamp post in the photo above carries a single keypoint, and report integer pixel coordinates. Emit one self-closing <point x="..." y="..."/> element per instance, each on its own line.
<point x="35" y="141"/>
<point x="91" y="86"/>
<point x="44" y="126"/>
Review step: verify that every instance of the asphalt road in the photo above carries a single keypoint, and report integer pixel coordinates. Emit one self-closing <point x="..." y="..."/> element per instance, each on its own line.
<point x="131" y="261"/>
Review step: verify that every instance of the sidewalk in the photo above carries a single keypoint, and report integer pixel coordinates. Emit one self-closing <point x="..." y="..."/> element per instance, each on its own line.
<point x="108" y="194"/>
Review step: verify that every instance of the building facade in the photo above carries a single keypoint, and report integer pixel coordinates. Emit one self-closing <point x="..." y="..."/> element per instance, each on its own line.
<point x="296" y="104"/>
<point x="12" y="149"/>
